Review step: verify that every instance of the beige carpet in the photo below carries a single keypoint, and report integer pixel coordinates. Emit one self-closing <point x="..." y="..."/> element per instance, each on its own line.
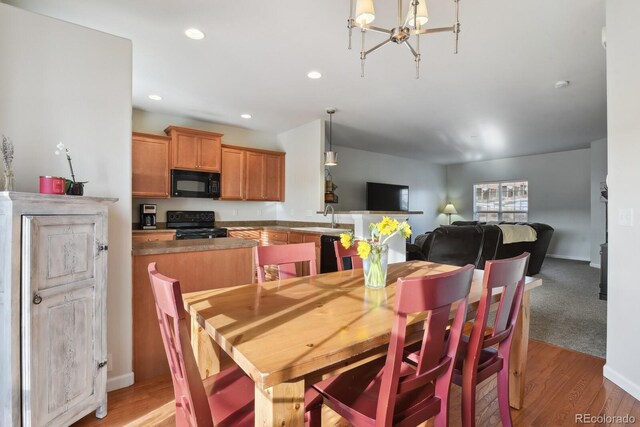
<point x="566" y="310"/>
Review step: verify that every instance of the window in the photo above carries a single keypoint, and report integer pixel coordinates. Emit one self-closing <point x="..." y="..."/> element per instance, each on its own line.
<point x="501" y="201"/>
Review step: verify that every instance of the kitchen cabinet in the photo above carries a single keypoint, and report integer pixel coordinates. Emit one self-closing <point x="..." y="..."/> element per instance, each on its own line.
<point x="233" y="174"/>
<point x="152" y="236"/>
<point x="196" y="150"/>
<point x="53" y="274"/>
<point x="197" y="270"/>
<point x="150" y="166"/>
<point x="252" y="174"/>
<point x="315" y="239"/>
<point x="248" y="234"/>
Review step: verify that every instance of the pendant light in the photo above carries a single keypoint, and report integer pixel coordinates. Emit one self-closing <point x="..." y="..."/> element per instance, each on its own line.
<point x="330" y="157"/>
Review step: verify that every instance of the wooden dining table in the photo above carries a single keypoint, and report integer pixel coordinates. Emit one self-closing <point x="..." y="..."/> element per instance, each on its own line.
<point x="289" y="334"/>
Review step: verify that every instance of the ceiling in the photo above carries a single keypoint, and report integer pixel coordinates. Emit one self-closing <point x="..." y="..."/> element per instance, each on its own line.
<point x="495" y="99"/>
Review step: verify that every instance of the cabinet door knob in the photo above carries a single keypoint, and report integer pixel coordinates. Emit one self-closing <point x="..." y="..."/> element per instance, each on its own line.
<point x="37" y="299"/>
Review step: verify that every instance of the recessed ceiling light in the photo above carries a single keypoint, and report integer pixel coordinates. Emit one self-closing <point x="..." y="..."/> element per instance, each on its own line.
<point x="245" y="116"/>
<point x="561" y="84"/>
<point x="194" y="34"/>
<point x="155" y="97"/>
<point x="314" y="75"/>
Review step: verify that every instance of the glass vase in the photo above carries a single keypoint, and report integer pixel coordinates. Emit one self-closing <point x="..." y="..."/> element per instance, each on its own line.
<point x="8" y="182"/>
<point x="375" y="267"/>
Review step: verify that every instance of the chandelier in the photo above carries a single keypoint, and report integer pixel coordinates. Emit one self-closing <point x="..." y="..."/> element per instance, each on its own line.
<point x="407" y="26"/>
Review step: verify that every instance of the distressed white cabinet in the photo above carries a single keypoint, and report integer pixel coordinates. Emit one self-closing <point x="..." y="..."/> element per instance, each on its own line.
<point x="53" y="258"/>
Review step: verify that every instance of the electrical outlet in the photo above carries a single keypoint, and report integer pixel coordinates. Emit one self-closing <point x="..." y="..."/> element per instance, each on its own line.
<point x="109" y="363"/>
<point x="234" y="212"/>
<point x="625" y="217"/>
<point x="259" y="212"/>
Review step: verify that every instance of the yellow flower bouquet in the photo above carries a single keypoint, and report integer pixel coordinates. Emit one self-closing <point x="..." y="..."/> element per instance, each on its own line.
<point x="374" y="250"/>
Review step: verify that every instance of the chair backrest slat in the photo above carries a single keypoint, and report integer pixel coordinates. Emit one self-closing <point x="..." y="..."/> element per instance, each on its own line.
<point x="508" y="274"/>
<point x="285" y="257"/>
<point x="342" y="253"/>
<point x="191" y="399"/>
<point x="435" y="295"/>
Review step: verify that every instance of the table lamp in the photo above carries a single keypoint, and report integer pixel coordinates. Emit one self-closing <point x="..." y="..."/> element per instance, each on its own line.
<point x="450" y="209"/>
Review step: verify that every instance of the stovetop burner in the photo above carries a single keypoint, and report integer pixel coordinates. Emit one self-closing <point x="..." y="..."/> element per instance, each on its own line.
<point x="194" y="225"/>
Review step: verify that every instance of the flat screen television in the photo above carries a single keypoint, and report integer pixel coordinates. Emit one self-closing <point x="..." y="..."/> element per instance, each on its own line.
<point x="387" y="197"/>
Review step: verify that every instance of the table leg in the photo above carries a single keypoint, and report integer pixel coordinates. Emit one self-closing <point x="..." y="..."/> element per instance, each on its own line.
<point x="206" y="351"/>
<point x="518" y="358"/>
<point x="280" y="405"/>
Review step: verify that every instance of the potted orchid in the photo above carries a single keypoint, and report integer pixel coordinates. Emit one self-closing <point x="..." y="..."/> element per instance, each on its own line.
<point x="73" y="187"/>
<point x="374" y="250"/>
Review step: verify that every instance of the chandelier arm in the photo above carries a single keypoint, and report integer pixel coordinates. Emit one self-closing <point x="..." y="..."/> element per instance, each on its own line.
<point x="399" y="13"/>
<point x="350" y="22"/>
<point x="456" y="26"/>
<point x="376" y="47"/>
<point x="374" y="29"/>
<point x="432" y="30"/>
<point x="416" y="55"/>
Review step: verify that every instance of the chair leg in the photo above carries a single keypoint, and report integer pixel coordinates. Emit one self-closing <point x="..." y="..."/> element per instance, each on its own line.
<point x="503" y="395"/>
<point x="442" y="418"/>
<point x="469" y="401"/>
<point x="315" y="416"/>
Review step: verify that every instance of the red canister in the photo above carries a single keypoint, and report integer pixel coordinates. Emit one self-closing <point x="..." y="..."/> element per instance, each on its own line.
<point x="52" y="185"/>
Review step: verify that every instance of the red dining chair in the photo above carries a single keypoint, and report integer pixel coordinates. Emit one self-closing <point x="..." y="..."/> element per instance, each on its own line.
<point x="393" y="392"/>
<point x="342" y="253"/>
<point x="285" y="257"/>
<point x="478" y="360"/>
<point x="223" y="399"/>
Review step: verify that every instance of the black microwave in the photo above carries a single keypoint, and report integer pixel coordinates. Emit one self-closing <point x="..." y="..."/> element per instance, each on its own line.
<point x="204" y="185"/>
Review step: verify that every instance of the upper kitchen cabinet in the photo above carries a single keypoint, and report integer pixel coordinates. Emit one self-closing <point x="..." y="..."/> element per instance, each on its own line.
<point x="150" y="166"/>
<point x="252" y="174"/>
<point x="233" y="173"/>
<point x="196" y="150"/>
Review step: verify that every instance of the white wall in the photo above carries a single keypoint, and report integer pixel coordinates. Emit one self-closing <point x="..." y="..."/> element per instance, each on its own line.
<point x="426" y="183"/>
<point x="304" y="173"/>
<point x="63" y="82"/>
<point x="598" y="175"/>
<point x="156" y="123"/>
<point x="623" y="105"/>
<point x="559" y="194"/>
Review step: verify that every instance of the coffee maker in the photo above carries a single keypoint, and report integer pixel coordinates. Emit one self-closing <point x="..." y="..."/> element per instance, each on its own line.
<point x="148" y="216"/>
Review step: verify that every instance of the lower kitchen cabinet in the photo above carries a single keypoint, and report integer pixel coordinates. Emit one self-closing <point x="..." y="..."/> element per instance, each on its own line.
<point x="53" y="365"/>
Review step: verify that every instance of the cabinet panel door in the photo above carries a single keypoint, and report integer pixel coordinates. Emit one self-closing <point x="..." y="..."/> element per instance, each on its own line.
<point x="315" y="238"/>
<point x="274" y="179"/>
<point x="232" y="175"/>
<point x="184" y="151"/>
<point x="209" y="156"/>
<point x="254" y="176"/>
<point x="62" y="318"/>
<point x="150" y="167"/>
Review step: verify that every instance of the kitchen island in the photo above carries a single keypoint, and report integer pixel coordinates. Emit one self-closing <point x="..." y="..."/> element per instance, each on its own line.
<point x="198" y="264"/>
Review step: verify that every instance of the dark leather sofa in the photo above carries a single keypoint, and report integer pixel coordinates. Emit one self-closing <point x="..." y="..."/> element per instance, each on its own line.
<point x="469" y="242"/>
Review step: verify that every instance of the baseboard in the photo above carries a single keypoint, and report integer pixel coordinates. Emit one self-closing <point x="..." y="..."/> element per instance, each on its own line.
<point x="569" y="257"/>
<point x="621" y="381"/>
<point x="120" y="381"/>
<point x="594" y="265"/>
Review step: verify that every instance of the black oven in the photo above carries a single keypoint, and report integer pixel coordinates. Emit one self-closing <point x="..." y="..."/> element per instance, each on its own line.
<point x="204" y="185"/>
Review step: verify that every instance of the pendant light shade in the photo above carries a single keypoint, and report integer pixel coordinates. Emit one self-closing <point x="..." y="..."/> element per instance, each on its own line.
<point x="423" y="14"/>
<point x="365" y="13"/>
<point x="330" y="157"/>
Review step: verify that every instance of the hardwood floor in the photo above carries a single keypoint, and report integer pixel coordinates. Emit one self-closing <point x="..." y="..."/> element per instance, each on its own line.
<point x="560" y="384"/>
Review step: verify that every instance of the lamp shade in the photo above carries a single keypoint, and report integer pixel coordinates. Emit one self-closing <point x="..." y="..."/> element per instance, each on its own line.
<point x="365" y="13"/>
<point x="330" y="158"/>
<point x="423" y="14"/>
<point x="450" y="209"/>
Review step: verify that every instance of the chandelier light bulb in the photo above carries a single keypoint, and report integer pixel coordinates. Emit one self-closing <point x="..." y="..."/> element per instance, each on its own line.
<point x="365" y="13"/>
<point x="423" y="13"/>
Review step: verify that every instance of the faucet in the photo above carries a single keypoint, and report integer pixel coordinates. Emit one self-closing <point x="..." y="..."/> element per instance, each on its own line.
<point x="326" y="210"/>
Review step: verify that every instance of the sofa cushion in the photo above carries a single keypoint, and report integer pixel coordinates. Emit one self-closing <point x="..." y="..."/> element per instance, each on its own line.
<point x="455" y="245"/>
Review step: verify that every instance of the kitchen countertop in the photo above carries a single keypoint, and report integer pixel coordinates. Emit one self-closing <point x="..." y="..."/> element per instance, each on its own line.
<point x="194" y="245"/>
<point x="376" y="212"/>
<point x="154" y="230"/>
